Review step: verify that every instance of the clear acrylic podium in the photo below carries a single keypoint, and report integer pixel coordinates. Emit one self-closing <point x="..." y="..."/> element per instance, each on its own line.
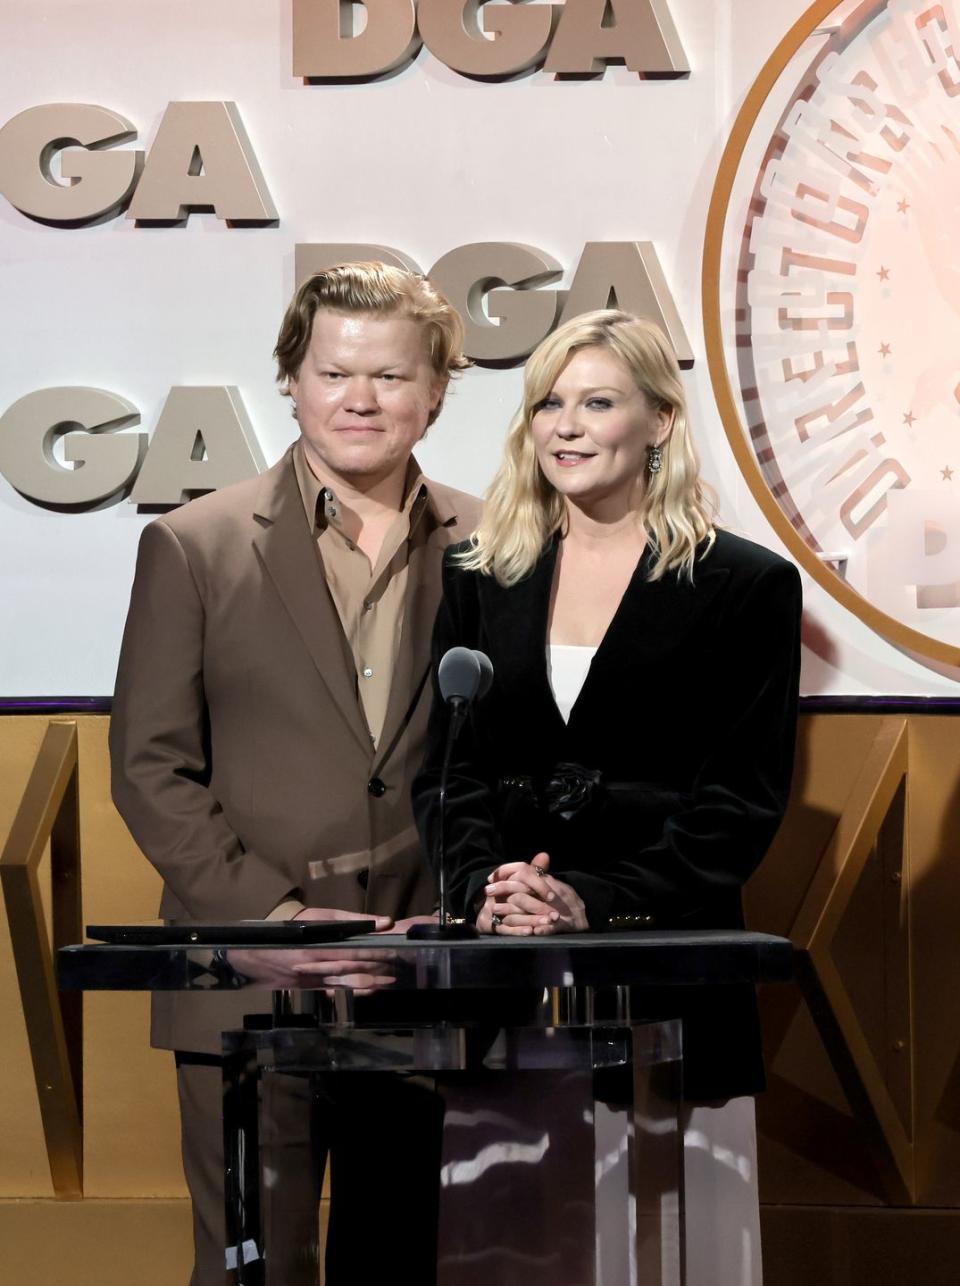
<point x="561" y="1154"/>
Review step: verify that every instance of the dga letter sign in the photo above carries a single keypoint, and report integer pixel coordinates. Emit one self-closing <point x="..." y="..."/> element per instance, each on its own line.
<point x="201" y="159"/>
<point x="203" y="440"/>
<point x="497" y="287"/>
<point x="485" y="41"/>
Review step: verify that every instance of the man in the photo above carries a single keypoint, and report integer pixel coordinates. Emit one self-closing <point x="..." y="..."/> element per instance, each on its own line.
<point x="271" y="699"/>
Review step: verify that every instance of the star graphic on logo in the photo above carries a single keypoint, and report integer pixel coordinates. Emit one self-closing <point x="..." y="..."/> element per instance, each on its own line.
<point x="903" y="206"/>
<point x="909" y="418"/>
<point x="884" y="273"/>
<point x="884" y="350"/>
<point x="946" y="474"/>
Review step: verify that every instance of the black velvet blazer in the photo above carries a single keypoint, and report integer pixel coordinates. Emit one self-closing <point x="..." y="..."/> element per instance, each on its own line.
<point x="664" y="790"/>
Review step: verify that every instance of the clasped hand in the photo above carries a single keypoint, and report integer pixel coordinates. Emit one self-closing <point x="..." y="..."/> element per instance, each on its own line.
<point x="527" y="901"/>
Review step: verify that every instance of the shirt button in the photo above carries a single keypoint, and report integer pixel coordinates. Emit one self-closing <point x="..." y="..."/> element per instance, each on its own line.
<point x="376" y="787"/>
<point x="367" y="672"/>
<point x="367" y="606"/>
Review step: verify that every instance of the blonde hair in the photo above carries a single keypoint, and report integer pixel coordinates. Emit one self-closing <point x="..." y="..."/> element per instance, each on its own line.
<point x="523" y="510"/>
<point x="376" y="289"/>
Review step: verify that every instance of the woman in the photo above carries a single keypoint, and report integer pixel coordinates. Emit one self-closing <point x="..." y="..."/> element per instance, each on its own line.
<point x="632" y="761"/>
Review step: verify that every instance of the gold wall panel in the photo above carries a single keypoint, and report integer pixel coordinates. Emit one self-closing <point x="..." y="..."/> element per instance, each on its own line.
<point x="893" y="959"/>
<point x="934" y="830"/>
<point x="131" y="1124"/>
<point x="46" y="826"/>
<point x="23" y="1160"/>
<point x="95" y="1243"/>
<point x="819" y="1246"/>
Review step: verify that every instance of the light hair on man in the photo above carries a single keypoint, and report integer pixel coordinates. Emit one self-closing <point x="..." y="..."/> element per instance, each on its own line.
<point x="378" y="290"/>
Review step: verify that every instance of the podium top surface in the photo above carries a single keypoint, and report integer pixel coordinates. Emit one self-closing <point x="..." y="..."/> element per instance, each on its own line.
<point x="646" y="958"/>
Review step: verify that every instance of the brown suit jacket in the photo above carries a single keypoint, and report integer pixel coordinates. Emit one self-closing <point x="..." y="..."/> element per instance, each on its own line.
<point x="240" y="756"/>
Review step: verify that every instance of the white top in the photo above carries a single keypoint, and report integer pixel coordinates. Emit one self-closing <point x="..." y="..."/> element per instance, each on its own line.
<point x="567" y="668"/>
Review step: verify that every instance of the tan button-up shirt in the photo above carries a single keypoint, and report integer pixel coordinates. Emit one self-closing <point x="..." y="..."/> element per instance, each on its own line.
<point x="369" y="600"/>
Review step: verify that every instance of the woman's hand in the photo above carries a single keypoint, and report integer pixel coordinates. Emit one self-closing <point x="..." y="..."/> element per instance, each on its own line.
<point x="522" y="899"/>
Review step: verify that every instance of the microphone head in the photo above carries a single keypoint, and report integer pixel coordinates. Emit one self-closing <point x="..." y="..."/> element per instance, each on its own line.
<point x="486" y="672"/>
<point x="459" y="674"/>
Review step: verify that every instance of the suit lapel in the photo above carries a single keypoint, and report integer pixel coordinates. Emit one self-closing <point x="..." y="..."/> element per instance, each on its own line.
<point x="287" y="551"/>
<point x="439" y="528"/>
<point x="413" y="657"/>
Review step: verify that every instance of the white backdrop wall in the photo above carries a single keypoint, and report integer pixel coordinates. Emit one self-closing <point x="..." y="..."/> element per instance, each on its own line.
<point x="423" y="161"/>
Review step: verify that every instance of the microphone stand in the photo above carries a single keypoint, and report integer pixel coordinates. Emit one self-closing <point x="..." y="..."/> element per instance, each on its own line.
<point x="446" y="930"/>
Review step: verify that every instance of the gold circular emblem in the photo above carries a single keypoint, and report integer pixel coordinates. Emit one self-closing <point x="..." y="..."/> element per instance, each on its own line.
<point x="831" y="299"/>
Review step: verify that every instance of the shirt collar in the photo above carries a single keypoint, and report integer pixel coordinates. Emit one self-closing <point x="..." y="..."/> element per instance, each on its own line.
<point x="322" y="508"/>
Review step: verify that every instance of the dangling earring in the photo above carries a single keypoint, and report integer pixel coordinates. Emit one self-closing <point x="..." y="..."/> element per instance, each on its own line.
<point x="654" y="459"/>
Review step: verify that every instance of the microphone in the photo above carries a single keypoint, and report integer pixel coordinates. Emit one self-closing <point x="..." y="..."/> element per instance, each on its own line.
<point x="460" y="674"/>
<point x="463" y="676"/>
<point x="486" y="673"/>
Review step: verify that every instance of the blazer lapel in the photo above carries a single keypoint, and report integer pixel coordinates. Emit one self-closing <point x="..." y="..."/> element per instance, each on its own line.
<point x="284" y="545"/>
<point x="654" y="621"/>
<point x="657" y="617"/>
<point x="412" y="666"/>
<point x="518" y="622"/>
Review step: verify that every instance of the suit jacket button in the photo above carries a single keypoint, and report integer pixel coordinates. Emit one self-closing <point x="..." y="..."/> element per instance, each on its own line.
<point x="376" y="787"/>
<point x="363" y="877"/>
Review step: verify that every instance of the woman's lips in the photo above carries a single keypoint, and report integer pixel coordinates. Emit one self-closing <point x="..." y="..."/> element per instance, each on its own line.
<point x="570" y="459"/>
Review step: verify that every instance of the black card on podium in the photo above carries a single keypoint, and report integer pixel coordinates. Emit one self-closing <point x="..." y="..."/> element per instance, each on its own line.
<point x="238" y="933"/>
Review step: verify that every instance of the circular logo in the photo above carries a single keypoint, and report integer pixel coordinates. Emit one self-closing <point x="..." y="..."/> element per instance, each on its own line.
<point x="832" y="308"/>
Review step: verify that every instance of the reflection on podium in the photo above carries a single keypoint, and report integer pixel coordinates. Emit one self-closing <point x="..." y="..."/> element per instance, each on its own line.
<point x="548" y="1149"/>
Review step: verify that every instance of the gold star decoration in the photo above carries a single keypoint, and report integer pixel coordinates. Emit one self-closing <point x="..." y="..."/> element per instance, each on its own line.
<point x="903" y="206"/>
<point x="884" y="273"/>
<point x="909" y="418"/>
<point x="884" y="350"/>
<point x="946" y="474"/>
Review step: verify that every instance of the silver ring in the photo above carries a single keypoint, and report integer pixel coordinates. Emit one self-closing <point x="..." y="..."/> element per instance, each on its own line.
<point x="541" y="872"/>
<point x="496" y="921"/>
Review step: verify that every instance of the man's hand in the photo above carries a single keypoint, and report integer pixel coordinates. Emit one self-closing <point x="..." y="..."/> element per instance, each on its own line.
<point x="527" y="901"/>
<point x="384" y="922"/>
<point x="310" y="968"/>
